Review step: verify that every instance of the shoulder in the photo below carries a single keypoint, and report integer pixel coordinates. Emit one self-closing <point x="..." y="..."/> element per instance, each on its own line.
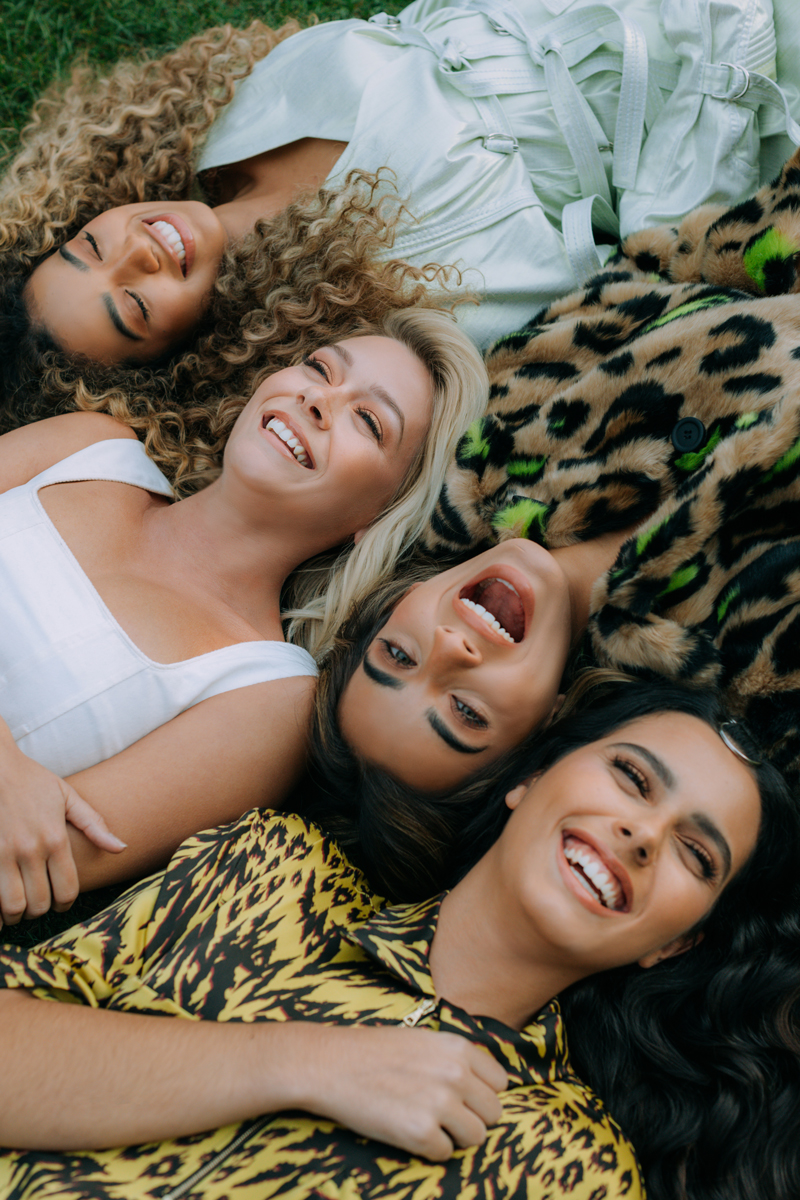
<point x="27" y="451"/>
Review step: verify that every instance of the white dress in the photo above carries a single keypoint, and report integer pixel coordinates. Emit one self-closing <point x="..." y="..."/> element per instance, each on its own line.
<point x="503" y="121"/>
<point x="74" y="689"/>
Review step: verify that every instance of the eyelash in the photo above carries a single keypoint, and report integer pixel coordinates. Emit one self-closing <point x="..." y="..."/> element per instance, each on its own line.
<point x="468" y="715"/>
<point x="393" y="652"/>
<point x="707" y="864"/>
<point x="94" y="245"/>
<point x="636" y="776"/>
<point x="141" y="303"/>
<point x="320" y="367"/>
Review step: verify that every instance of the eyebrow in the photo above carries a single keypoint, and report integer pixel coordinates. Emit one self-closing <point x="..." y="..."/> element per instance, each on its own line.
<point x="434" y="720"/>
<point x="438" y="726"/>
<point x="108" y="303"/>
<point x="382" y="677"/>
<point x="658" y="765"/>
<point x="375" y="388"/>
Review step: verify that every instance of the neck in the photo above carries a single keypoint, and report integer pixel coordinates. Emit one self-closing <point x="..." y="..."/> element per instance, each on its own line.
<point x="206" y="544"/>
<point x="263" y="186"/>
<point x="583" y="563"/>
<point x="487" y="958"/>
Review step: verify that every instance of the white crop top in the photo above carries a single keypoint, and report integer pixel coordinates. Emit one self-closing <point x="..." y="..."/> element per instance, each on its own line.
<point x="74" y="689"/>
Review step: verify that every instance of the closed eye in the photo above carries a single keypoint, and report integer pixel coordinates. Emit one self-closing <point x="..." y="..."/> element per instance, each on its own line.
<point x="634" y="773"/>
<point x="708" y="867"/>
<point x="370" y="420"/>
<point x="141" y="303"/>
<point x="316" y="364"/>
<point x="93" y="244"/>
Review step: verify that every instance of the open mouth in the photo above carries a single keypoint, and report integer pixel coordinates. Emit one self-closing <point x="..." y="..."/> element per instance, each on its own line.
<point x="176" y="237"/>
<point x="499" y="604"/>
<point x="281" y="430"/>
<point x="594" y="875"/>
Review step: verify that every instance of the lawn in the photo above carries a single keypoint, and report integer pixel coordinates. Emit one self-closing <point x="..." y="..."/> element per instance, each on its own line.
<point x="39" y="39"/>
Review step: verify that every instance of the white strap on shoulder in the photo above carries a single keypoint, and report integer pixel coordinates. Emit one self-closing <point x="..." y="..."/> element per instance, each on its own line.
<point x="118" y="460"/>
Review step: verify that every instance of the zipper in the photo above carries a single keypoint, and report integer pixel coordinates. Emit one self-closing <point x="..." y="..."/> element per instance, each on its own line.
<point x="410" y="1019"/>
<point x="212" y="1164"/>
<point x="424" y="1007"/>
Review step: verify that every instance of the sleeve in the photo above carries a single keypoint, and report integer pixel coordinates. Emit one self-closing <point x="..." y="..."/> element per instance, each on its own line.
<point x="91" y="962"/>
<point x="752" y="246"/>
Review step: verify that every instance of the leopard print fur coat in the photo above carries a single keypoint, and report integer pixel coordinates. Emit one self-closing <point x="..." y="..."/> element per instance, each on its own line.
<point x="665" y="393"/>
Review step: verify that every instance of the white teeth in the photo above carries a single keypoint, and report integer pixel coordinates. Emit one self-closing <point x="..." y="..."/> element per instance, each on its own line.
<point x="285" y="434"/>
<point x="488" y="618"/>
<point x="593" y="871"/>
<point x="172" y="236"/>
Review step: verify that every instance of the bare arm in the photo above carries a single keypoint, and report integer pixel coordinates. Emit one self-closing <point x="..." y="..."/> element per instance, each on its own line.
<point x="240" y="750"/>
<point x="79" y="1078"/>
<point x="208" y="765"/>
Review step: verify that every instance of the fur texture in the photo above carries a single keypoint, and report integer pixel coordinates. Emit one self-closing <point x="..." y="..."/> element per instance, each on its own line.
<point x="699" y="322"/>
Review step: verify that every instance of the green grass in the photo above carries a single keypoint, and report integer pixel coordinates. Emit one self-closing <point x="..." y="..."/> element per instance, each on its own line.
<point x="39" y="39"/>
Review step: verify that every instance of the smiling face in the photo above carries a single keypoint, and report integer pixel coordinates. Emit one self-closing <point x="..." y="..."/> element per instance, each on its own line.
<point x="467" y="664"/>
<point x="333" y="438"/>
<point x="623" y="846"/>
<point x="132" y="284"/>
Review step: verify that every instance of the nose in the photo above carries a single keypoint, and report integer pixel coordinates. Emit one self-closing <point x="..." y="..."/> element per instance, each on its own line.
<point x="138" y="254"/>
<point x="640" y="836"/>
<point x="451" y="648"/>
<point x="317" y="403"/>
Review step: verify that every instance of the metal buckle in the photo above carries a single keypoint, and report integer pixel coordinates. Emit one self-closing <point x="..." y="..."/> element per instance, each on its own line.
<point x="745" y="72"/>
<point x="501" y="143"/>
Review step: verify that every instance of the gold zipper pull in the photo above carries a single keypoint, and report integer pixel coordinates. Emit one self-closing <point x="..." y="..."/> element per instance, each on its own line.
<point x="423" y="1008"/>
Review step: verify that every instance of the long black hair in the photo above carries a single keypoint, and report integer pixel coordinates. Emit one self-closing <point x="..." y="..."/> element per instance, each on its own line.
<point x="698" y="1058"/>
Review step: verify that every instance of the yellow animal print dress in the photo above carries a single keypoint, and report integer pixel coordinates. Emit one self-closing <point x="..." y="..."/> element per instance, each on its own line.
<point x="265" y="920"/>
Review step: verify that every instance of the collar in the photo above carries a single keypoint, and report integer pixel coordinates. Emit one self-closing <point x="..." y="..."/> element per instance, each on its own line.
<point x="399" y="939"/>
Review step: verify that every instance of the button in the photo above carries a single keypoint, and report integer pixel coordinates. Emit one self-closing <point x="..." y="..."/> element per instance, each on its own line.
<point x="688" y="434"/>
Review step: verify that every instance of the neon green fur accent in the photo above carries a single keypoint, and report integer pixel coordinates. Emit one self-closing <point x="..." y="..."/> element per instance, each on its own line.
<point x="691" y="306"/>
<point x="693" y="459"/>
<point x="680" y="578"/>
<point x="784" y="462"/>
<point x="475" y="444"/>
<point x="644" y="539"/>
<point x="746" y="420"/>
<point x="772" y="244"/>
<point x="526" y="467"/>
<point x="726" y="602"/>
<point x="518" y="518"/>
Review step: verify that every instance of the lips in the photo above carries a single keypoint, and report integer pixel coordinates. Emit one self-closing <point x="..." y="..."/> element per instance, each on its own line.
<point x="175" y="237"/>
<point x="498" y="604"/>
<point x="595" y="873"/>
<point x="290" y="438"/>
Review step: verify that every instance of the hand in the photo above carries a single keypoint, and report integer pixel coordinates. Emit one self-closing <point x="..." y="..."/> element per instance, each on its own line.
<point x="423" y="1091"/>
<point x="37" y="869"/>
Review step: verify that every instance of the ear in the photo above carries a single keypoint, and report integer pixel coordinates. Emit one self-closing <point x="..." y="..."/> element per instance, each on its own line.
<point x="518" y="793"/>
<point x="672" y="949"/>
<point x="358" y="535"/>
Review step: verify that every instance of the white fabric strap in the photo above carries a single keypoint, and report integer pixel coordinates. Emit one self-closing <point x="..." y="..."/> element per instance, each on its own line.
<point x="577" y="221"/>
<point x="733" y="82"/>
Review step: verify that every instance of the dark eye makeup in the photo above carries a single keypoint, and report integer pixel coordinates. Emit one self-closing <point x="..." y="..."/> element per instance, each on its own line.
<point x="93" y="244"/>
<point x="316" y="364"/>
<point x="634" y="773"/>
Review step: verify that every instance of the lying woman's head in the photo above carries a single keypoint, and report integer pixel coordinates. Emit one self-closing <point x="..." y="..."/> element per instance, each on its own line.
<point x="659" y="854"/>
<point x="150" y="304"/>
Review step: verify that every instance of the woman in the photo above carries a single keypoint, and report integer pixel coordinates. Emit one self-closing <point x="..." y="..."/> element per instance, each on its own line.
<point x="501" y="125"/>
<point x="124" y="611"/>
<point x="690" y="923"/>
